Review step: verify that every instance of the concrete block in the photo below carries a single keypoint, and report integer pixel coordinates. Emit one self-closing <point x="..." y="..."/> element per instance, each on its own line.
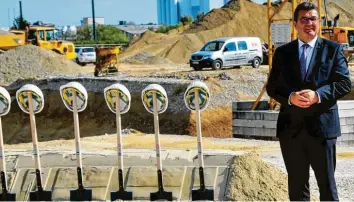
<point x="221" y="183"/>
<point x="99" y="160"/>
<point x="11" y="162"/>
<point x="25" y="162"/>
<point x="51" y="160"/>
<point x="346" y="113"/>
<point x="262" y="132"/>
<point x="247" y="105"/>
<point x="214" y="160"/>
<point x="346" y="120"/>
<point x="256" y="115"/>
<point x="345" y="104"/>
<point x="65" y="179"/>
<point x="254" y="123"/>
<point x="347" y="129"/>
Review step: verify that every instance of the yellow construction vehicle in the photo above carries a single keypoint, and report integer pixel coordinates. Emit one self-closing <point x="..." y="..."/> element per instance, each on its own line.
<point x="107" y="60"/>
<point x="342" y="35"/>
<point x="43" y="37"/>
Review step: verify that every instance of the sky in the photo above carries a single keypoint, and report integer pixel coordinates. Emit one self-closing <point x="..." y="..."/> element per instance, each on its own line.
<point x="70" y="12"/>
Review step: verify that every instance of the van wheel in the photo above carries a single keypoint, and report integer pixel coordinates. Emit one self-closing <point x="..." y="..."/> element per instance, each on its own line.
<point x="217" y="65"/>
<point x="196" y="68"/>
<point x="256" y="63"/>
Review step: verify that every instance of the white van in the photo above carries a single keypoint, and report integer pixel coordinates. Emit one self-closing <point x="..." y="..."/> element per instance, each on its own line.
<point x="226" y="52"/>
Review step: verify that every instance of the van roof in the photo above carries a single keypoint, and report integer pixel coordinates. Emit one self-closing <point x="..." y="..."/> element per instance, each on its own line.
<point x="235" y="38"/>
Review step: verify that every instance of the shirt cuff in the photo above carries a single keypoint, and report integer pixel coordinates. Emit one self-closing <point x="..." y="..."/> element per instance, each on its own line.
<point x="289" y="98"/>
<point x="319" y="98"/>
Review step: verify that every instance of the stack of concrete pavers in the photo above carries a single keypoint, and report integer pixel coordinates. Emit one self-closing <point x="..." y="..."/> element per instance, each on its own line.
<point x="261" y="123"/>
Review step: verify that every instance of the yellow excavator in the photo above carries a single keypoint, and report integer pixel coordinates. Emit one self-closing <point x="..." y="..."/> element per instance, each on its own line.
<point x="41" y="36"/>
<point x="342" y="35"/>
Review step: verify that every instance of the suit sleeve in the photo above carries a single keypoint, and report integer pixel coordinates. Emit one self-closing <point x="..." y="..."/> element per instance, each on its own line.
<point x="276" y="86"/>
<point x="340" y="83"/>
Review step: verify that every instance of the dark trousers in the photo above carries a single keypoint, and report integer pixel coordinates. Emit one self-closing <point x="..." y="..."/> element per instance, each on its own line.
<point x="299" y="153"/>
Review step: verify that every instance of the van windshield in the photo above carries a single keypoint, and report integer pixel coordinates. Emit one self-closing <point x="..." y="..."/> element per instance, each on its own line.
<point x="213" y="46"/>
<point x="88" y="50"/>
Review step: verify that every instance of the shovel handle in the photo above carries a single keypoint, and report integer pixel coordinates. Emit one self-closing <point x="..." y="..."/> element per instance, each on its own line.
<point x="119" y="132"/>
<point x="199" y="129"/>
<point x="77" y="141"/>
<point x="2" y="160"/>
<point x="37" y="161"/>
<point x="77" y="131"/>
<point x="157" y="133"/>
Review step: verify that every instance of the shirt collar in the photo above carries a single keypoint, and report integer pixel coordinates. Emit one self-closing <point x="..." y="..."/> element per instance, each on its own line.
<point x="310" y="43"/>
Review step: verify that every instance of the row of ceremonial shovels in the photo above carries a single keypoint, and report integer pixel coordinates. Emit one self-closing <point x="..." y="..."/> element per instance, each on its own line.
<point x="74" y="95"/>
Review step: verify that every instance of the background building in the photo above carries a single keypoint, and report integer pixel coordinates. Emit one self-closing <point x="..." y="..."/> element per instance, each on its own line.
<point x="170" y="11"/>
<point x="89" y="21"/>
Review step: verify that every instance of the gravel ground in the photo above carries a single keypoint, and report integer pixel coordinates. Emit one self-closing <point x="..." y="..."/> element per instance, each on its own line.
<point x="145" y="58"/>
<point x="344" y="176"/>
<point x="344" y="170"/>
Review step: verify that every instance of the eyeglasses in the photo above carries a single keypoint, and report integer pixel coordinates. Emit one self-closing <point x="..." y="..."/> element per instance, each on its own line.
<point x="305" y="20"/>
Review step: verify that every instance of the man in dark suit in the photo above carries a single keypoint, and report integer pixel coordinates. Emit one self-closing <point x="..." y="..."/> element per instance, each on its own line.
<point x="308" y="76"/>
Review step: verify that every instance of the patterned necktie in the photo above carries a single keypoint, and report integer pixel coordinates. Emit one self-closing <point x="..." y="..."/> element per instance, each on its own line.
<point x="303" y="59"/>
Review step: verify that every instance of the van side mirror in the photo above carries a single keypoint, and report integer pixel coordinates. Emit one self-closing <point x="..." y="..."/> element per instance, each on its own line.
<point x="225" y="50"/>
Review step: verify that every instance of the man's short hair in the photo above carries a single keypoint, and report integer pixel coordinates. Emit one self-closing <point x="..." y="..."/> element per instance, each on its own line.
<point x="305" y="6"/>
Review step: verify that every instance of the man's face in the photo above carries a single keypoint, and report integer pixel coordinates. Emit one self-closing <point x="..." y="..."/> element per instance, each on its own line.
<point x="307" y="25"/>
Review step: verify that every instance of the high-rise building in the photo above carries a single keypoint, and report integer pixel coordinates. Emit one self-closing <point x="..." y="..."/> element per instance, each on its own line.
<point x="170" y="11"/>
<point x="167" y="12"/>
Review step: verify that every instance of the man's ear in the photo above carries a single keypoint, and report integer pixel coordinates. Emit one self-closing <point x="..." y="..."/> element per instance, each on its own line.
<point x="294" y="23"/>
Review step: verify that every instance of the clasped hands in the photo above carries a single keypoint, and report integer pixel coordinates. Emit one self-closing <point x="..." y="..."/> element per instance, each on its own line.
<point x="304" y="98"/>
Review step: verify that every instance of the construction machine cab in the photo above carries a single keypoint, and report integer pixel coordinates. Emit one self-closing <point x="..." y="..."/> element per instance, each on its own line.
<point x="44" y="37"/>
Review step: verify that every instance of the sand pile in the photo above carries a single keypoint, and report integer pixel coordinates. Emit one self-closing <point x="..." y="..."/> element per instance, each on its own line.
<point x="252" y="179"/>
<point x="3" y="33"/>
<point x="238" y="18"/>
<point x="33" y="62"/>
<point x="145" y="58"/>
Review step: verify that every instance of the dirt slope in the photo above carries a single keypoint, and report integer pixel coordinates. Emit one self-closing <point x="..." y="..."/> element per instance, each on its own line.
<point x="238" y="18"/>
<point x="32" y="62"/>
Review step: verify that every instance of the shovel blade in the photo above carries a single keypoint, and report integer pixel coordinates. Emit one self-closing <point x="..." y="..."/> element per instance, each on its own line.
<point x="161" y="195"/>
<point x="81" y="195"/>
<point x="121" y="195"/>
<point x="206" y="194"/>
<point x="7" y="197"/>
<point x="41" y="196"/>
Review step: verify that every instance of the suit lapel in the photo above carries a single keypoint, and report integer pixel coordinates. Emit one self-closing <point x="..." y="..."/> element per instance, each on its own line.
<point x="295" y="63"/>
<point x="314" y="57"/>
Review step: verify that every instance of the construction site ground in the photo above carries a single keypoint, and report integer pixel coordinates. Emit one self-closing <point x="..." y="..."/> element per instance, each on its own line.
<point x="178" y="153"/>
<point x="139" y="150"/>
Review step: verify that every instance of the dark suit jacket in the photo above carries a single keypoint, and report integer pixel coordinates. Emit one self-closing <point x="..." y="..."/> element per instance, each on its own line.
<point x="327" y="74"/>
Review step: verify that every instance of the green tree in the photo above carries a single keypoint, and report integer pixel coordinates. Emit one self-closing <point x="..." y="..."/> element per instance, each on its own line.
<point x="84" y="33"/>
<point x="105" y="34"/>
<point x="186" y="20"/>
<point x="200" y="16"/>
<point x="20" y="23"/>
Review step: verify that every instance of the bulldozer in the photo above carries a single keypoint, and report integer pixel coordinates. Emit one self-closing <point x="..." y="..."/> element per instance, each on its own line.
<point x="40" y="36"/>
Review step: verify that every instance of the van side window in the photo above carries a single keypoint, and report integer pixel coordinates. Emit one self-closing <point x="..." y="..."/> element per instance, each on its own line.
<point x="242" y="45"/>
<point x="230" y="46"/>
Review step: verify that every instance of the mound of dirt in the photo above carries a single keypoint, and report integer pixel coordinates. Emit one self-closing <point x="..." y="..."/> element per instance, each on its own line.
<point x="240" y="18"/>
<point x="237" y="18"/>
<point x="252" y="179"/>
<point x="34" y="62"/>
<point x="2" y="33"/>
<point x="145" y="58"/>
